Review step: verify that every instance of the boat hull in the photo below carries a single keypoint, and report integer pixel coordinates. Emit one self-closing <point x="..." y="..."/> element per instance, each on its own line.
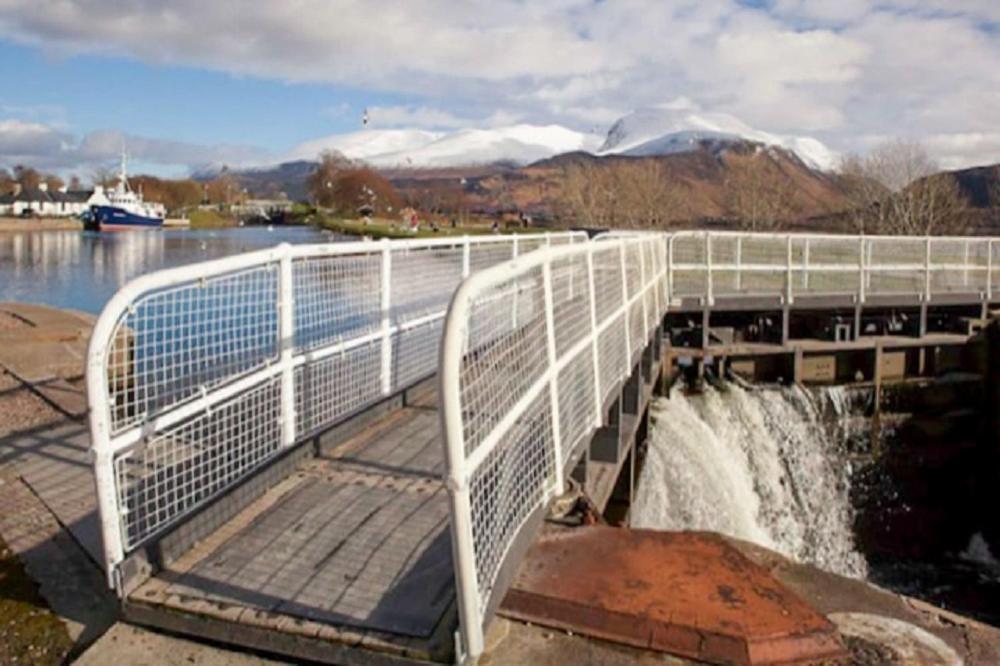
<point x="112" y="218"/>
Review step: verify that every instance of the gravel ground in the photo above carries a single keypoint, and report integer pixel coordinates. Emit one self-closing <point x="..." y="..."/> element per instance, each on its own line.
<point x="20" y="409"/>
<point x="9" y="323"/>
<point x="29" y="632"/>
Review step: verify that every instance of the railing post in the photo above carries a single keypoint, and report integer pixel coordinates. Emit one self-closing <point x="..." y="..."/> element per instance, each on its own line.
<point x="626" y="309"/>
<point x="709" y="286"/>
<point x="927" y="269"/>
<point x="386" y="318"/>
<point x="789" y="296"/>
<point x="642" y="286"/>
<point x="595" y="351"/>
<point x="965" y="266"/>
<point x="989" y="270"/>
<point x="550" y="337"/>
<point x="670" y="270"/>
<point x="805" y="265"/>
<point x="657" y="272"/>
<point x="861" y="270"/>
<point x="466" y="256"/>
<point x="514" y="297"/>
<point x="457" y="481"/>
<point x="739" y="263"/>
<point x="286" y="343"/>
<point x="513" y="247"/>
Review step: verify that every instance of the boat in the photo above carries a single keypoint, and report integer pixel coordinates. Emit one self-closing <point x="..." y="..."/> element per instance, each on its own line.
<point x="124" y="208"/>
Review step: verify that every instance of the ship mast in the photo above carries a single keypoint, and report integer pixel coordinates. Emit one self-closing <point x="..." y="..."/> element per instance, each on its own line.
<point x="122" y="178"/>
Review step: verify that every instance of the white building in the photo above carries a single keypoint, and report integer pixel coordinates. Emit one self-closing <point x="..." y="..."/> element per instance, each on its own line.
<point x="42" y="203"/>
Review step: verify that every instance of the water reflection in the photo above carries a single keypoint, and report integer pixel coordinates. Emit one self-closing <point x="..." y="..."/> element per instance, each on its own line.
<point x="81" y="270"/>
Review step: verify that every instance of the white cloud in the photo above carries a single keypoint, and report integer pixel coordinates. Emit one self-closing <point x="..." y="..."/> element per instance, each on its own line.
<point x="839" y="69"/>
<point x="53" y="149"/>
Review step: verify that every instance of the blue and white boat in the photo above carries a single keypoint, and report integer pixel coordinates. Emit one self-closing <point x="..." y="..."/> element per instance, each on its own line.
<point x="125" y="208"/>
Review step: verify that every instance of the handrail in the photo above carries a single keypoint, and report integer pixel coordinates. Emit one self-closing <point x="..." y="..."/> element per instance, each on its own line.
<point x="710" y="265"/>
<point x="519" y="400"/>
<point x="198" y="375"/>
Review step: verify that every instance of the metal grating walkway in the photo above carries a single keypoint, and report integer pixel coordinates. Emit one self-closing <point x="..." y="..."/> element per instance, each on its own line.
<point x="356" y="541"/>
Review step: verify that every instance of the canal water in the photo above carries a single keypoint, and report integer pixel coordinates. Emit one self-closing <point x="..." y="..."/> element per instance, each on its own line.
<point x="82" y="270"/>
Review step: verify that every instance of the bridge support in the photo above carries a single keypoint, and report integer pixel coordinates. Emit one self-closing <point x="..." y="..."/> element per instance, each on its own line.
<point x="608" y="468"/>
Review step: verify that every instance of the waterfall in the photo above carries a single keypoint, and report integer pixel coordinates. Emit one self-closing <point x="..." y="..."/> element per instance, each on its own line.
<point x="759" y="465"/>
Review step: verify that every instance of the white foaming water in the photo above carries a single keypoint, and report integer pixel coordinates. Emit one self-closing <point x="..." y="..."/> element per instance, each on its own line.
<point x="757" y="465"/>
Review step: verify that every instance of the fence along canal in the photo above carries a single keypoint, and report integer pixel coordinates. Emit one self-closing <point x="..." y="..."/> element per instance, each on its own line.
<point x="200" y="376"/>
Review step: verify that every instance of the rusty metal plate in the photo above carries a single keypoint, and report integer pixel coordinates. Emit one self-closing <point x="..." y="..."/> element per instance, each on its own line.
<point x="685" y="593"/>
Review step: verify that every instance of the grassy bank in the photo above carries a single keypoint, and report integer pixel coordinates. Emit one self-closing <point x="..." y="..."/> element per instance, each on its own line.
<point x="390" y="229"/>
<point x="210" y="219"/>
<point x="29" y="632"/>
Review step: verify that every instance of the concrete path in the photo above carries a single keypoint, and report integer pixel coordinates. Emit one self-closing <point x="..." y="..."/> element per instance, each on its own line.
<point x="46" y="349"/>
<point x="125" y="644"/>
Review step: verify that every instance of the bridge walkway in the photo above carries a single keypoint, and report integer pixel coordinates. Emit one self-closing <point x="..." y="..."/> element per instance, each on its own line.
<point x="347" y="559"/>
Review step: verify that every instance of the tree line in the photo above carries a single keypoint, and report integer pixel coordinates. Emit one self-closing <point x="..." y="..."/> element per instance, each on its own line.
<point x="896" y="188"/>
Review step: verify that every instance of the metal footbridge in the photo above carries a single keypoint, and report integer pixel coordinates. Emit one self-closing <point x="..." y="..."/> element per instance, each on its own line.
<point x="340" y="452"/>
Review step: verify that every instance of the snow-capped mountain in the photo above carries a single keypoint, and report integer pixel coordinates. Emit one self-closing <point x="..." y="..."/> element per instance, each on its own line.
<point x="647" y="132"/>
<point x="365" y="145"/>
<point x="518" y="144"/>
<point x="666" y="130"/>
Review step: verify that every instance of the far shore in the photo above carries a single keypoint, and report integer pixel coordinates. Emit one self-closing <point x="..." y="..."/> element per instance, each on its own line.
<point x="63" y="224"/>
<point x="40" y="224"/>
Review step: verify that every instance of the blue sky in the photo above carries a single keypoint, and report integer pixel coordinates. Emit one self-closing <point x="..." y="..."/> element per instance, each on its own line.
<point x="181" y="103"/>
<point x="186" y="83"/>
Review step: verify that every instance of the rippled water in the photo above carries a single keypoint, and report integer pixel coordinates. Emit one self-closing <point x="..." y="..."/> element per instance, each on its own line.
<point x="757" y="465"/>
<point x="81" y="270"/>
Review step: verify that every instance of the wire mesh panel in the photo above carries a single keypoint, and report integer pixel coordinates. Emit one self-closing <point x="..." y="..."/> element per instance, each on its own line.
<point x="503" y="367"/>
<point x="520" y="393"/>
<point x="182" y="467"/>
<point x="712" y="264"/>
<point x="177" y="341"/>
<point x="337" y="298"/>
<point x="197" y="376"/>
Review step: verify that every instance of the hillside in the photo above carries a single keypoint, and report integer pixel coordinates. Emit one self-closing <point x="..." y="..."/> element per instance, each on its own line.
<point x="701" y="172"/>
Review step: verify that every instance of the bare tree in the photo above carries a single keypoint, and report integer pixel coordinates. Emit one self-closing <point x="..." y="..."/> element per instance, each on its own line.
<point x="586" y="194"/>
<point x="896" y="189"/>
<point x="321" y="182"/>
<point x="54" y="183"/>
<point x="27" y="177"/>
<point x="758" y="193"/>
<point x="6" y="181"/>
<point x="102" y="176"/>
<point x="622" y="194"/>
<point x="648" y="198"/>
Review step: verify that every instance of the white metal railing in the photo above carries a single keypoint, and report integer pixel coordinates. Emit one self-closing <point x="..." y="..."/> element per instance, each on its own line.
<point x="731" y="264"/>
<point x="532" y="349"/>
<point x="197" y="376"/>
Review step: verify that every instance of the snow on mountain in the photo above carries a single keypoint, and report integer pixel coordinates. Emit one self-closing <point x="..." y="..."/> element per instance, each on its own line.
<point x="666" y="130"/>
<point x="365" y="144"/>
<point x="519" y="144"/>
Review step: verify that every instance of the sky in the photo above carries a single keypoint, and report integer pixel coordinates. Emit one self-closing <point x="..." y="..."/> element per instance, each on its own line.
<point x="188" y="83"/>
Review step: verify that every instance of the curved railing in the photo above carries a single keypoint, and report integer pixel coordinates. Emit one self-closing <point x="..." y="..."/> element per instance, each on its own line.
<point x="199" y="375"/>
<point x="532" y="350"/>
